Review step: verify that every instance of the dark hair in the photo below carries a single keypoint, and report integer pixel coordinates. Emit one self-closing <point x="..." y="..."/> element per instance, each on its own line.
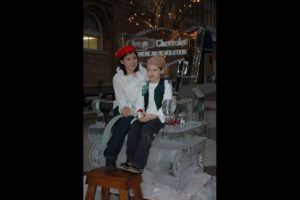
<point x="122" y="66"/>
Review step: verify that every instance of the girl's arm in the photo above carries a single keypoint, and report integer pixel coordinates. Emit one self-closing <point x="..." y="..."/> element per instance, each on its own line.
<point x="120" y="94"/>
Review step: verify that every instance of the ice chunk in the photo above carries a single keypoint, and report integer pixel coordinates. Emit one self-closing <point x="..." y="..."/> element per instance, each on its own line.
<point x="96" y="131"/>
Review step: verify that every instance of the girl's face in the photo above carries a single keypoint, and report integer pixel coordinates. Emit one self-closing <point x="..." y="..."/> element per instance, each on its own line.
<point x="130" y="62"/>
<point x="153" y="73"/>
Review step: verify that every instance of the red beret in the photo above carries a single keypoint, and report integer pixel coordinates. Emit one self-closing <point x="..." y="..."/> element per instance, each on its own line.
<point x="124" y="50"/>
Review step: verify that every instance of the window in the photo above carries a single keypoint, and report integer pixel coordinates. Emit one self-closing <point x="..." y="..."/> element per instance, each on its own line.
<point x="90" y="42"/>
<point x="92" y="38"/>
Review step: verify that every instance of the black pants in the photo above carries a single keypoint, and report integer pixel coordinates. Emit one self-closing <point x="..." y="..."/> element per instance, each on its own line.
<point x="140" y="138"/>
<point x="119" y="132"/>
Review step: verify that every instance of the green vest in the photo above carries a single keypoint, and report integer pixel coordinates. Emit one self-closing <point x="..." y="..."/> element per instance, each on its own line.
<point x="158" y="95"/>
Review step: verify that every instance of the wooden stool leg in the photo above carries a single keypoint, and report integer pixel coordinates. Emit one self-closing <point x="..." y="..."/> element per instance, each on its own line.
<point x="90" y="193"/>
<point x="123" y="194"/>
<point x="104" y="193"/>
<point x="137" y="192"/>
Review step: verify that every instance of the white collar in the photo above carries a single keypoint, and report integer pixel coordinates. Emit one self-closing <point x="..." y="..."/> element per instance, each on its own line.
<point x="120" y="73"/>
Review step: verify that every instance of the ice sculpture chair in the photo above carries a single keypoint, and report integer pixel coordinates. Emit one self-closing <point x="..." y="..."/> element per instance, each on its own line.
<point x="120" y="179"/>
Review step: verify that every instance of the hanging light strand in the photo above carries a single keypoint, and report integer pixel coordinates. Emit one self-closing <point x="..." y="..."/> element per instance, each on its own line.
<point x="174" y="15"/>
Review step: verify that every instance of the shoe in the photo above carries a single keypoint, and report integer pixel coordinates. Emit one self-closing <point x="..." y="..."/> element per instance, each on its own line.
<point x="133" y="168"/>
<point x="110" y="165"/>
<point x="125" y="165"/>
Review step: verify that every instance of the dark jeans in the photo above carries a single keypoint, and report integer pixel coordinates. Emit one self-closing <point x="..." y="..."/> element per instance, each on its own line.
<point x="119" y="132"/>
<point x="140" y="138"/>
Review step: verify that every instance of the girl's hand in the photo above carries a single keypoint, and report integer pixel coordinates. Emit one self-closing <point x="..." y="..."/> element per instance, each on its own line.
<point x="148" y="117"/>
<point x="126" y="111"/>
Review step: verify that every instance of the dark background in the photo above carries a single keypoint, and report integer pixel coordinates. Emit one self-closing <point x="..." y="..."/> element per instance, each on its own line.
<point x="42" y="101"/>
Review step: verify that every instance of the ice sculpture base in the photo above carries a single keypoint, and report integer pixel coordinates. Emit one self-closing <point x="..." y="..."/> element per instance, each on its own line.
<point x="174" y="151"/>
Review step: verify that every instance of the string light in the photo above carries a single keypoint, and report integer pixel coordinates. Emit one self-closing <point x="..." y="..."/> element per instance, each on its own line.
<point x="176" y="14"/>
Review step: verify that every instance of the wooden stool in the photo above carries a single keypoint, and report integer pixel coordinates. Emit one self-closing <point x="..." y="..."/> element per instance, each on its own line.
<point x="119" y="179"/>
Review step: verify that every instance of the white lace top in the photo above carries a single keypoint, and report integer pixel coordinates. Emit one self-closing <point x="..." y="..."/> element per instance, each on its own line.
<point x="126" y="87"/>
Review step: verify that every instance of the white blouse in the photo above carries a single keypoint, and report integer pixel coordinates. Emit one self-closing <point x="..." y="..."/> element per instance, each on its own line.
<point x="151" y="109"/>
<point x="126" y="87"/>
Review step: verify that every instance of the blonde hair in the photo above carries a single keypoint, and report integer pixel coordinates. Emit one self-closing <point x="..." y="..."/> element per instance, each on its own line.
<point x="159" y="61"/>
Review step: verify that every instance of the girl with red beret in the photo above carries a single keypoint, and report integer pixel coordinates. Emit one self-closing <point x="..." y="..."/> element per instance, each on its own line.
<point x="129" y="77"/>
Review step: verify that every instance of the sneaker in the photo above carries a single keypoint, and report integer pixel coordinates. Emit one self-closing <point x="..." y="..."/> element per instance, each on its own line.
<point x="110" y="165"/>
<point x="125" y="165"/>
<point x="134" y="169"/>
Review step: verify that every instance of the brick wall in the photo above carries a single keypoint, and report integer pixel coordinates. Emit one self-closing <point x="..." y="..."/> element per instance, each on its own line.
<point x="99" y="67"/>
